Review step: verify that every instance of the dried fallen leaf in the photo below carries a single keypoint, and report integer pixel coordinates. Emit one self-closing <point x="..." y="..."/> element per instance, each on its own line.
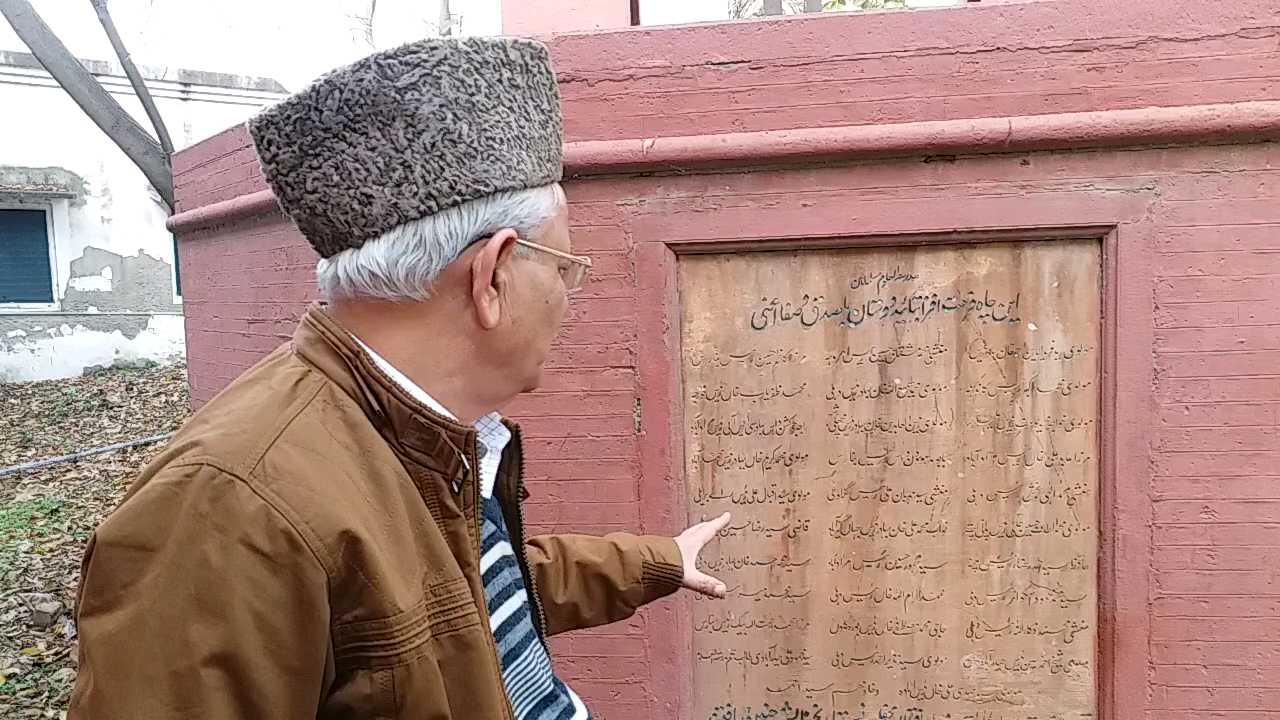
<point x="47" y="515"/>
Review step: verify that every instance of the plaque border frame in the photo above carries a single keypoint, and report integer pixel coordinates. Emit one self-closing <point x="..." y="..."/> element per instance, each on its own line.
<point x="1123" y="632"/>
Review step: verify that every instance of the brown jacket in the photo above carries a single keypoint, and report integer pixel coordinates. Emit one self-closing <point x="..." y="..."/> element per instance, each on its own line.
<point x="308" y="547"/>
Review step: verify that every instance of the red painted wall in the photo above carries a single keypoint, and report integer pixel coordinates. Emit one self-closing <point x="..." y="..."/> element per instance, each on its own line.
<point x="1191" y="566"/>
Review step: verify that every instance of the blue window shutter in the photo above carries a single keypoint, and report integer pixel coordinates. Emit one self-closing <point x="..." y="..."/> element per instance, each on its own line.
<point x="24" y="257"/>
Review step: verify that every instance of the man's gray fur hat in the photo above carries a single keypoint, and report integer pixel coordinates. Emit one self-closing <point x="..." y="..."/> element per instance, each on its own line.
<point x="409" y="132"/>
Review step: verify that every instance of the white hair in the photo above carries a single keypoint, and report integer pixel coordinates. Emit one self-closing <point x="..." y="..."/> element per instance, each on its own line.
<point x="401" y="264"/>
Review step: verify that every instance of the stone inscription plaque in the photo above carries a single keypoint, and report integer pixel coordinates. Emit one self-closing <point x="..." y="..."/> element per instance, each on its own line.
<point x="908" y="439"/>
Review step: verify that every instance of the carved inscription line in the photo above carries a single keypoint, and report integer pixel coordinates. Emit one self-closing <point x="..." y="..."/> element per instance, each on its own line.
<point x="908" y="440"/>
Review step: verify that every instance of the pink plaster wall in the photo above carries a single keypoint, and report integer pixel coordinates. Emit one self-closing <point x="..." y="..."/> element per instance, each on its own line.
<point x="1191" y="562"/>
<point x="543" y="17"/>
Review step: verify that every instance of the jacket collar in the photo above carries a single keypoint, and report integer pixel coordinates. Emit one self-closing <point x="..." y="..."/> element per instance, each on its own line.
<point x="433" y="440"/>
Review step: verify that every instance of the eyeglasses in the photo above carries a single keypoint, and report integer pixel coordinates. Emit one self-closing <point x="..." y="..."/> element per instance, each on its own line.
<point x="573" y="273"/>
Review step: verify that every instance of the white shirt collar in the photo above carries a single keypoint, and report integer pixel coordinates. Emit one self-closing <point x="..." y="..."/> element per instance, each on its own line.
<point x="406" y="384"/>
<point x="492" y="434"/>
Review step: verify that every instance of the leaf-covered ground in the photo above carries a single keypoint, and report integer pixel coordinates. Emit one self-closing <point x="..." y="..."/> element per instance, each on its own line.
<point x="46" y="515"/>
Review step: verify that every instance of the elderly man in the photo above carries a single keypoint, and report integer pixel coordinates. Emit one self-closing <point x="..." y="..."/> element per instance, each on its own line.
<point x="338" y="534"/>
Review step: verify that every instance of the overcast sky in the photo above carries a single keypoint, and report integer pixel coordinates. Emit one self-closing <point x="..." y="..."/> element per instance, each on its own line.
<point x="292" y="41"/>
<point x="289" y="40"/>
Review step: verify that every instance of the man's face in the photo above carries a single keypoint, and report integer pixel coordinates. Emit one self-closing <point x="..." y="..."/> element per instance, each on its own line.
<point x="537" y="302"/>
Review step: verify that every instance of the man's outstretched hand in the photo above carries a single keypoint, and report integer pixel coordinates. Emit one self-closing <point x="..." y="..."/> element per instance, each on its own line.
<point x="691" y="542"/>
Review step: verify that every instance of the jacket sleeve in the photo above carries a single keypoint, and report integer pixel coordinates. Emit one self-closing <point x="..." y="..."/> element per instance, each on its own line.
<point x="199" y="601"/>
<point x="586" y="581"/>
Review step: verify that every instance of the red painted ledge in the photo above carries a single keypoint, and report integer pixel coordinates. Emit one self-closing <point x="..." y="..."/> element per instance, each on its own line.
<point x="221" y="213"/>
<point x="1220" y="123"/>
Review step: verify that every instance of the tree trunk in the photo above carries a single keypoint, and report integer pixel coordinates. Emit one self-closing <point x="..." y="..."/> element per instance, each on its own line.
<point x="101" y="108"/>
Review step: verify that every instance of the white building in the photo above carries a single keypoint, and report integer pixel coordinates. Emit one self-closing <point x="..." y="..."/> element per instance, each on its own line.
<point x="86" y="265"/>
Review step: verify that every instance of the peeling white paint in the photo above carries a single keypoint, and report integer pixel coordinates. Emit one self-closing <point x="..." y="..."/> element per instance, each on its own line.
<point x="78" y="348"/>
<point x="115" y="210"/>
<point x="109" y="219"/>
<point x="15" y="334"/>
<point x="92" y="283"/>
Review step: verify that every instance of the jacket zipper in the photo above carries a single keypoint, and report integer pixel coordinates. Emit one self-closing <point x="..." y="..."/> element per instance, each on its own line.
<point x="534" y="598"/>
<point x="476" y="499"/>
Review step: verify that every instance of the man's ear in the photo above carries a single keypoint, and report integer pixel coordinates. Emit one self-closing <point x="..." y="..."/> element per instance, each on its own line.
<point x="490" y="276"/>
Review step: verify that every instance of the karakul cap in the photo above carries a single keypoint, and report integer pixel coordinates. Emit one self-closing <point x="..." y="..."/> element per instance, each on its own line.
<point x="406" y="133"/>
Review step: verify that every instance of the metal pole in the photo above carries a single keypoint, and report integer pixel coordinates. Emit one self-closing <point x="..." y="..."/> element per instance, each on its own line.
<point x="14" y="469"/>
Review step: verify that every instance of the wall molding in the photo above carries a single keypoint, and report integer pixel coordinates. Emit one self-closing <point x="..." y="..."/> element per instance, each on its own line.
<point x="222" y="212"/>
<point x="1221" y="123"/>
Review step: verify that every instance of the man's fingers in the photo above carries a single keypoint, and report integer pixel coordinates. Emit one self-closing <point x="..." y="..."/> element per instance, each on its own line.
<point x="710" y="528"/>
<point x="718" y="524"/>
<point x="705" y="584"/>
<point x="691" y="542"/>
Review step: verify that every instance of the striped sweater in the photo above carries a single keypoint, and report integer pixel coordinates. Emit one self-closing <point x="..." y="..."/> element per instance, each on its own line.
<point x="532" y="687"/>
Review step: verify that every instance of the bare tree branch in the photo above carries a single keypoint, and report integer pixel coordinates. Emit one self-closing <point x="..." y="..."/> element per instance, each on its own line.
<point x="96" y="102"/>
<point x="135" y="78"/>
<point x="366" y="24"/>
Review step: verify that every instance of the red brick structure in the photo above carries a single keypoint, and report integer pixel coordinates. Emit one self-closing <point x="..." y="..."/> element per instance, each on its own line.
<point x="1149" y="123"/>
